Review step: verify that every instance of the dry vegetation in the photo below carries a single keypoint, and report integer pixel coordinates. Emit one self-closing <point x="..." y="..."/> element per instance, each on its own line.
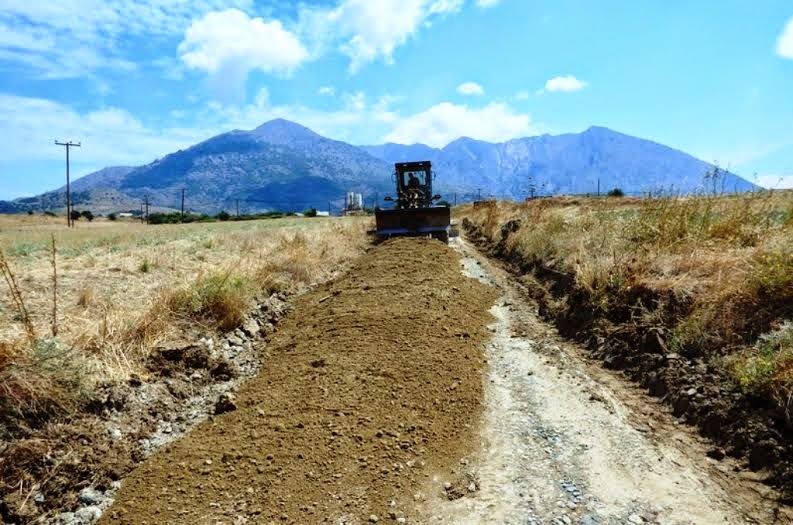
<point x="722" y="264"/>
<point x="124" y="288"/>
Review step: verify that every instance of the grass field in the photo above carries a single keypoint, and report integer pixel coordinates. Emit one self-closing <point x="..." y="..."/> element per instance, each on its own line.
<point x="722" y="265"/>
<point x="124" y="288"/>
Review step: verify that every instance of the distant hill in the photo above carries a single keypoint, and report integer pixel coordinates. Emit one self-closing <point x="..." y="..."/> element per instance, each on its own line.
<point x="572" y="163"/>
<point x="283" y="165"/>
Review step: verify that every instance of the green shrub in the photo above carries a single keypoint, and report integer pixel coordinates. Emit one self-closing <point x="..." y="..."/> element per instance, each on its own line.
<point x="221" y="298"/>
<point x="310" y="212"/>
<point x="616" y="192"/>
<point x="769" y="364"/>
<point x="223" y="216"/>
<point x="87" y="215"/>
<point x="772" y="274"/>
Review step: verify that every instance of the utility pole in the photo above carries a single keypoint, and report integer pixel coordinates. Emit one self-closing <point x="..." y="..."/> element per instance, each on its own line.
<point x="238" y="208"/>
<point x="68" y="145"/>
<point x="455" y="199"/>
<point x="146" y="202"/>
<point x="479" y="194"/>
<point x="598" y="186"/>
<point x="182" y="216"/>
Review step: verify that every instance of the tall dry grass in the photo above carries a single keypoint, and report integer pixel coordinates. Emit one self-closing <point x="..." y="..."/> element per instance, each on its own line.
<point x="727" y="258"/>
<point x="110" y="293"/>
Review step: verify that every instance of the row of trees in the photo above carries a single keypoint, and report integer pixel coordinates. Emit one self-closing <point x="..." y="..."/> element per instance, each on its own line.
<point x="85" y="214"/>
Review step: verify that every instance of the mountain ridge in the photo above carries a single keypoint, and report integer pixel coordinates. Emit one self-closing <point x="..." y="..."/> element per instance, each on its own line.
<point x="284" y="165"/>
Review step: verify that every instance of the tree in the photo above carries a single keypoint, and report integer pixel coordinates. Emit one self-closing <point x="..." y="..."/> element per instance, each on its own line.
<point x="310" y="212"/>
<point x="112" y="217"/>
<point x="76" y="215"/>
<point x="616" y="192"/>
<point x="87" y="215"/>
<point x="223" y="216"/>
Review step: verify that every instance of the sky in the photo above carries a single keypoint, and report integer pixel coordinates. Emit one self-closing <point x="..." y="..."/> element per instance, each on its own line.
<point x="135" y="80"/>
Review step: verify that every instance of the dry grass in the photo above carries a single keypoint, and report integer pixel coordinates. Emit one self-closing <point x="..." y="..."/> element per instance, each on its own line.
<point x="123" y="288"/>
<point x="728" y="258"/>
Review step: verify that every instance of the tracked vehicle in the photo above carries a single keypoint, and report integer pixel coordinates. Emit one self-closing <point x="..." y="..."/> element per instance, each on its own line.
<point x="414" y="212"/>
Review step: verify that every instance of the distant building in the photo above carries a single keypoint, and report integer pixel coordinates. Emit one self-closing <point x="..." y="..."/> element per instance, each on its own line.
<point x="353" y="203"/>
<point x="323" y="213"/>
<point x="125" y="215"/>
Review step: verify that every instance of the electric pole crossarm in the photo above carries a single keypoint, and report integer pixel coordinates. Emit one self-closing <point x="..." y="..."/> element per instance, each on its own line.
<point x="68" y="145"/>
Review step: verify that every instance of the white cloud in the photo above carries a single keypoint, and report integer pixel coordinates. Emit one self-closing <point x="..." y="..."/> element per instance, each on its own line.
<point x="231" y="44"/>
<point x="355" y="101"/>
<point x="470" y="88"/>
<point x="327" y="91"/>
<point x="566" y="84"/>
<point x="445" y="122"/>
<point x="353" y="118"/>
<point x="73" y="38"/>
<point x="484" y="4"/>
<point x="522" y="95"/>
<point x="110" y="136"/>
<point x="784" y="44"/>
<point x="371" y="29"/>
<point x="774" y="182"/>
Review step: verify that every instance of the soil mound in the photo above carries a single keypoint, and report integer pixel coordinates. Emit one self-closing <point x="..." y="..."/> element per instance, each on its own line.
<point x="370" y="387"/>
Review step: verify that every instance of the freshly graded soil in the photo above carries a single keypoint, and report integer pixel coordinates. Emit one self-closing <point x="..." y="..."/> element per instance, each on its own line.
<point x="372" y="389"/>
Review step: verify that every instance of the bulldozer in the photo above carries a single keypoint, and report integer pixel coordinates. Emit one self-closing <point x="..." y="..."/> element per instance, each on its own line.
<point x="414" y="212"/>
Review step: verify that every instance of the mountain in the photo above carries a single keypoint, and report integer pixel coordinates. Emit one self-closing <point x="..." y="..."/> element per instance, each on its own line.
<point x="279" y="165"/>
<point x="572" y="163"/>
<point x="283" y="165"/>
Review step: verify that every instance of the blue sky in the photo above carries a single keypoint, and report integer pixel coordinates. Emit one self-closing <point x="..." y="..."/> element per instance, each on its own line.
<point x="136" y="80"/>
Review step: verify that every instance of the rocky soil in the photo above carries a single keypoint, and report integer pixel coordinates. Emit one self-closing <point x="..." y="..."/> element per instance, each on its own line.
<point x="740" y="425"/>
<point x="371" y="388"/>
<point x="422" y="386"/>
<point x="564" y="441"/>
<point x="75" y="466"/>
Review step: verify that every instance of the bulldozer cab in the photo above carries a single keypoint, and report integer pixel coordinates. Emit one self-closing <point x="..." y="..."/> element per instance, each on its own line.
<point x="414" y="213"/>
<point x="414" y="184"/>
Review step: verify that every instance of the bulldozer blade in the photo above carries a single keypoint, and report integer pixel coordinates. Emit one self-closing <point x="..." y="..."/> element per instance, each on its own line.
<point x="414" y="221"/>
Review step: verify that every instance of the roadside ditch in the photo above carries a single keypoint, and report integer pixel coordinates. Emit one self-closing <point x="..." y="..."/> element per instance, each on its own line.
<point x="75" y="466"/>
<point x="740" y="425"/>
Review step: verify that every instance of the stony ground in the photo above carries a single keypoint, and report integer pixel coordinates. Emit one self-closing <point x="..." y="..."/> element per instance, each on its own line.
<point x="563" y="441"/>
<point x="370" y="389"/>
<point x="406" y="392"/>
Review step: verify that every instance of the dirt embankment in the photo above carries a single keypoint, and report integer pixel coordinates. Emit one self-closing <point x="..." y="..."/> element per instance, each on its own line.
<point x="66" y="470"/>
<point x="371" y="387"/>
<point x="740" y="425"/>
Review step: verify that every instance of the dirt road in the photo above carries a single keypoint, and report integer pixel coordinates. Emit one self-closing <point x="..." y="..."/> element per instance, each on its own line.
<point x="564" y="441"/>
<point x="406" y="392"/>
<point x="371" y="387"/>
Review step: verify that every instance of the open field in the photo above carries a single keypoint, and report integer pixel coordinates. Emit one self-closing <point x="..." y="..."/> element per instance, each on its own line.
<point x="409" y="381"/>
<point x="124" y="288"/>
<point x="692" y="296"/>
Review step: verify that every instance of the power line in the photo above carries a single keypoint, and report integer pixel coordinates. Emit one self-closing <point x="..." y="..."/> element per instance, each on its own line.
<point x="68" y="145"/>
